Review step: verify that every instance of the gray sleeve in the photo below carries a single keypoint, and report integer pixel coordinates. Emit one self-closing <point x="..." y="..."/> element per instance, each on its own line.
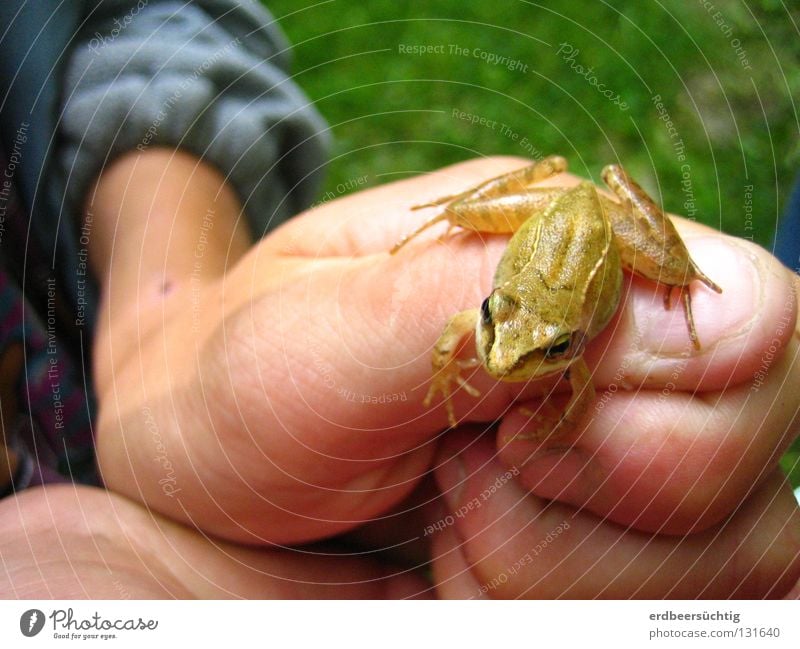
<point x="208" y="76"/>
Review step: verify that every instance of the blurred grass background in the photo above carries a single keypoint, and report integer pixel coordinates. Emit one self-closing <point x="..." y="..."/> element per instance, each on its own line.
<point x="726" y="73"/>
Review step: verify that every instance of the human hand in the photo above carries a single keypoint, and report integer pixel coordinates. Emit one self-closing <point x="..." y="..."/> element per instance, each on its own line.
<point x="281" y="401"/>
<point x="285" y="446"/>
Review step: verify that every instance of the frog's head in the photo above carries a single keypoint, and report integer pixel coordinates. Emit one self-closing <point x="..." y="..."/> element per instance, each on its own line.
<point x="516" y="343"/>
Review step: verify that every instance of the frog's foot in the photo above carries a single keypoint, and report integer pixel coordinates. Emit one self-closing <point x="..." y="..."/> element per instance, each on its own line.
<point x="687" y="308"/>
<point x="668" y="297"/>
<point x="549" y="421"/>
<point x="443" y="382"/>
<point x="444" y="215"/>
<point x="445" y="364"/>
<point x="430" y="222"/>
<point x="699" y="275"/>
<point x="545" y="422"/>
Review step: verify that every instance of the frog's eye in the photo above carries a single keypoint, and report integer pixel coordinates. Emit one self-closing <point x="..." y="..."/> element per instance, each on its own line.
<point x="559" y="347"/>
<point x="486" y="314"/>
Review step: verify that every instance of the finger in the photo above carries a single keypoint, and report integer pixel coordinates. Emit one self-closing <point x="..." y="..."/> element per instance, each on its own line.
<point x="451" y="573"/>
<point x="750" y="322"/>
<point x="402" y="300"/>
<point x="517" y="545"/>
<point x="401" y="536"/>
<point x="69" y="542"/>
<point x="665" y="461"/>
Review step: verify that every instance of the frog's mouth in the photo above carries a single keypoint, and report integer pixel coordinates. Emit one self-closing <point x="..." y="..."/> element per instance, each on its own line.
<point x="538" y="363"/>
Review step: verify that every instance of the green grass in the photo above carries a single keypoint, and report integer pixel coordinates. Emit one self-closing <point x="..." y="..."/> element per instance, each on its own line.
<point x="392" y="112"/>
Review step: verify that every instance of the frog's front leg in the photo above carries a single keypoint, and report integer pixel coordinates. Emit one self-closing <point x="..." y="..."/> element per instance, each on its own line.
<point x="551" y="422"/>
<point x="499" y="205"/>
<point x="648" y="243"/>
<point x="446" y="367"/>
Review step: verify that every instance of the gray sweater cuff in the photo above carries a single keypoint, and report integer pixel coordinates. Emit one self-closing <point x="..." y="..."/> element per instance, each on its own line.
<point x="209" y="77"/>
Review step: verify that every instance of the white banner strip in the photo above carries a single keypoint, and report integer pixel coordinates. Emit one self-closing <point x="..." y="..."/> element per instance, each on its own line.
<point x="370" y="624"/>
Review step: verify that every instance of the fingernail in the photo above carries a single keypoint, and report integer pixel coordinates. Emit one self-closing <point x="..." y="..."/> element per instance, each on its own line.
<point x="716" y="316"/>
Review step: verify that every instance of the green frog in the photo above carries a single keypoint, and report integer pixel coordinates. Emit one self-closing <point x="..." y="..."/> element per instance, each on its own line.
<point x="558" y="282"/>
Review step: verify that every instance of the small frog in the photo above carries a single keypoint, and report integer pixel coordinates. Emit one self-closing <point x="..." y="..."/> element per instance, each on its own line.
<point x="559" y="281"/>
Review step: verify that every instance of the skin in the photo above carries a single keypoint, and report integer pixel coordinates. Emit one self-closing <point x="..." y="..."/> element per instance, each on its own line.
<point x="254" y="378"/>
<point x="514" y="545"/>
<point x="68" y="542"/>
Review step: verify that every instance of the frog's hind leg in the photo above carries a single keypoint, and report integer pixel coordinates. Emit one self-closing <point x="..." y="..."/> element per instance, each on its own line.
<point x="649" y="244"/>
<point x="510" y="182"/>
<point x="498" y="205"/>
<point x="502" y="214"/>
<point x="687" y="309"/>
<point x="443" y="216"/>
<point x="518" y="180"/>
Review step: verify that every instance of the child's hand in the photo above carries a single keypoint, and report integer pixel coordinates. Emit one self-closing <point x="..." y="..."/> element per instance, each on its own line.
<point x="494" y="539"/>
<point x="282" y="402"/>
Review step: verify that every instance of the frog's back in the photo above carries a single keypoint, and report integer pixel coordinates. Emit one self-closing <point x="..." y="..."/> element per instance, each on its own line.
<point x="563" y="260"/>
